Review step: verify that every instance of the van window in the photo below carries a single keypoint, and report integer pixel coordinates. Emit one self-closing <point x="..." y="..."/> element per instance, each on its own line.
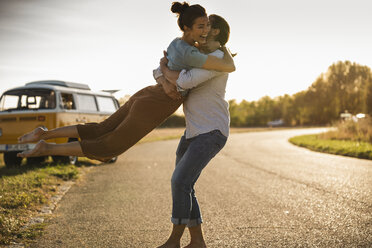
<point x="28" y="99"/>
<point x="106" y="104"/>
<point x="86" y="102"/>
<point x="68" y="101"/>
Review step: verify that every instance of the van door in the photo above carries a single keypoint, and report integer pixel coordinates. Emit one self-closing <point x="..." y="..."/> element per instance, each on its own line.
<point x="69" y="114"/>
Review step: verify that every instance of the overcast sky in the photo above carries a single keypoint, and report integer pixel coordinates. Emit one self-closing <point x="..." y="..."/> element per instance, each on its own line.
<point x="282" y="46"/>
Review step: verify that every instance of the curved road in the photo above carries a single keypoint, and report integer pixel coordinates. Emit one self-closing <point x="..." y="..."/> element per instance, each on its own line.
<point x="260" y="191"/>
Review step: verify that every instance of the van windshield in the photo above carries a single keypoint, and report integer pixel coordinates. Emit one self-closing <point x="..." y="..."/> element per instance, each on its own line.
<point x="28" y="99"/>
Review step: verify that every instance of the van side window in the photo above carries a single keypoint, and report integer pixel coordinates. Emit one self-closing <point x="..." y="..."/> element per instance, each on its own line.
<point x="86" y="102"/>
<point x="67" y="101"/>
<point x="106" y="104"/>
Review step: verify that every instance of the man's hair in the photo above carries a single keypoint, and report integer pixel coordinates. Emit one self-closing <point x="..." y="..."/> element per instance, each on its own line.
<point x="217" y="22"/>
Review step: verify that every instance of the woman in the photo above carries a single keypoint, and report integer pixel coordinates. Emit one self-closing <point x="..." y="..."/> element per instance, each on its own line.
<point x="146" y="109"/>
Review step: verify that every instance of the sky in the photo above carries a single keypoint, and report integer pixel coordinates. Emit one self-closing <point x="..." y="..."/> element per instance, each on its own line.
<point x="282" y="46"/>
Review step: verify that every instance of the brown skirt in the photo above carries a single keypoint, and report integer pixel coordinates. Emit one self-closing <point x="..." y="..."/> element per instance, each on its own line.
<point x="143" y="112"/>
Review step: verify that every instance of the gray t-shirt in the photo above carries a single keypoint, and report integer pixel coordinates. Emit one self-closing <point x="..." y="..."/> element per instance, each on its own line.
<point x="205" y="107"/>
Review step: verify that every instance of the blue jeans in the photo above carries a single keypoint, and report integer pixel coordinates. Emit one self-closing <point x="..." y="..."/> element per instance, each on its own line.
<point x="192" y="157"/>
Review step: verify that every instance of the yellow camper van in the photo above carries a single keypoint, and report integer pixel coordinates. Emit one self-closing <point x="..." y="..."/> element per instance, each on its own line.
<point x="49" y="104"/>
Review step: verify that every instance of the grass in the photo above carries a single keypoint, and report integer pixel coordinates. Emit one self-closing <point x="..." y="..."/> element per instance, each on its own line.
<point x="351" y="148"/>
<point x="23" y="191"/>
<point x="349" y="138"/>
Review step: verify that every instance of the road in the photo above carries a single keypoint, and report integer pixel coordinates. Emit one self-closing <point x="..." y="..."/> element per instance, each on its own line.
<point x="260" y="191"/>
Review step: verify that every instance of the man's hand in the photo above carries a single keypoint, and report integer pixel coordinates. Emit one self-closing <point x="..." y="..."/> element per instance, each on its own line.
<point x="169" y="89"/>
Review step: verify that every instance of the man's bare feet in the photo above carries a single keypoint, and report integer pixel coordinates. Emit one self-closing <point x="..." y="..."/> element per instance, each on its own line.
<point x="196" y="245"/>
<point x="170" y="245"/>
<point x="32" y="136"/>
<point x="40" y="149"/>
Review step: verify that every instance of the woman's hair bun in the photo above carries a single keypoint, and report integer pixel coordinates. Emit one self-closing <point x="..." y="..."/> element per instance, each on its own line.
<point x="178" y="7"/>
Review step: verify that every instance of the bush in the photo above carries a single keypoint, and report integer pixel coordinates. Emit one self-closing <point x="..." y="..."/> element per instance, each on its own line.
<point x="174" y="121"/>
<point x="360" y="130"/>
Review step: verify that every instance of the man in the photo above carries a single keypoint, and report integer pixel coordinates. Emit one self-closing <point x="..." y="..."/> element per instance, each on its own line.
<point x="207" y="128"/>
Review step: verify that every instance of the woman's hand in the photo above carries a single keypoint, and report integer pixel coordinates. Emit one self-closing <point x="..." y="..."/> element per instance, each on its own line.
<point x="224" y="65"/>
<point x="169" y="89"/>
<point x="226" y="50"/>
<point x="170" y="75"/>
<point x="164" y="60"/>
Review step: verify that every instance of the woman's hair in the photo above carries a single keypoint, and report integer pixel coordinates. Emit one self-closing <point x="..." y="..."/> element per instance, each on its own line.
<point x="217" y="22"/>
<point x="187" y="13"/>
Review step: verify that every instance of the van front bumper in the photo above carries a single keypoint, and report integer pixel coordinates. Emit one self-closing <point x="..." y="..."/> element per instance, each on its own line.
<point x="16" y="147"/>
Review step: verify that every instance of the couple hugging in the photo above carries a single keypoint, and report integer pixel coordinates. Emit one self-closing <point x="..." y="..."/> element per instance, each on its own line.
<point x="193" y="72"/>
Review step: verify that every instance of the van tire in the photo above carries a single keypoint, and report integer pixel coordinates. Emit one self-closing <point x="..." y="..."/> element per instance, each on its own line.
<point x="113" y="160"/>
<point x="11" y="159"/>
<point x="65" y="159"/>
<point x="36" y="160"/>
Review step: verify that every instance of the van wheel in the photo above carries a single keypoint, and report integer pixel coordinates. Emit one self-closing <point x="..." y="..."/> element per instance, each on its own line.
<point x="113" y="160"/>
<point x="11" y="159"/>
<point x="65" y="159"/>
<point x="35" y="160"/>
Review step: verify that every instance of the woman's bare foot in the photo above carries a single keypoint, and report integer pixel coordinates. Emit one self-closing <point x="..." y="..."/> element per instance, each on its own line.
<point x="32" y="136"/>
<point x="41" y="149"/>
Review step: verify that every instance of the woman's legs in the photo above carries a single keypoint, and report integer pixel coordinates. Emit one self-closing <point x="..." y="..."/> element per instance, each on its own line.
<point x="146" y="112"/>
<point x="142" y="113"/>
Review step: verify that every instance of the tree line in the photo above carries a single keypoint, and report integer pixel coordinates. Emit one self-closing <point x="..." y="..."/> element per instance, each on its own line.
<point x="344" y="87"/>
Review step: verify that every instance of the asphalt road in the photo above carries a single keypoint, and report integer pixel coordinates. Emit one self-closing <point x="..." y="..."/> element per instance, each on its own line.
<point x="260" y="191"/>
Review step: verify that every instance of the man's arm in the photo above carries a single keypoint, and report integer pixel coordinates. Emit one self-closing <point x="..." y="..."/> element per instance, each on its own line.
<point x="169" y="89"/>
<point x="192" y="78"/>
<point x="186" y="79"/>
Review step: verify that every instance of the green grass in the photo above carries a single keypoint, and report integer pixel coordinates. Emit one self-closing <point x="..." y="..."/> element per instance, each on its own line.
<point x="23" y="191"/>
<point x="349" y="148"/>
